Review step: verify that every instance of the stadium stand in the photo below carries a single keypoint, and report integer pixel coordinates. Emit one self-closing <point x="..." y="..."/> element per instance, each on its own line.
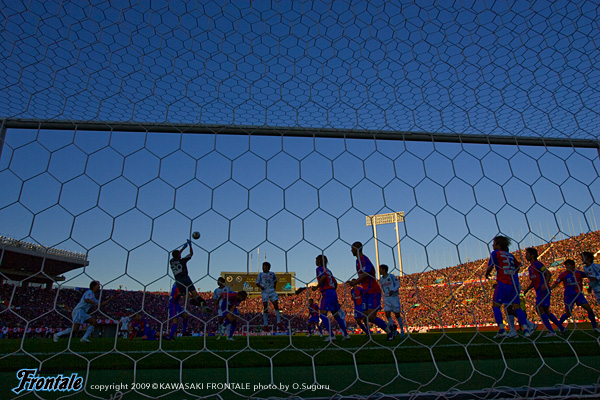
<point x="453" y="297"/>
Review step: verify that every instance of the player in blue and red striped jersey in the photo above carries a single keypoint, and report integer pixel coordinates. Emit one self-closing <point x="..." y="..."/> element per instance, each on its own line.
<point x="139" y="328"/>
<point x="540" y="276"/>
<point x="507" y="284"/>
<point x="327" y="284"/>
<point x="357" y="294"/>
<point x="229" y="307"/>
<point x="573" y="283"/>
<point x="372" y="291"/>
<point x="313" y="321"/>
<point x="175" y="312"/>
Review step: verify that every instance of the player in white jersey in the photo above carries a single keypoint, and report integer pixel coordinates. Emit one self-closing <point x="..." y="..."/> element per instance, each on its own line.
<point x="592" y="271"/>
<point x="81" y="313"/>
<point x="124" y="326"/>
<point x="218" y="298"/>
<point x="266" y="282"/>
<point x="390" y="287"/>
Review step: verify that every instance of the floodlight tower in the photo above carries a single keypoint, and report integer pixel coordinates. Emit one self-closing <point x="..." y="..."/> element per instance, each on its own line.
<point x="382" y="219"/>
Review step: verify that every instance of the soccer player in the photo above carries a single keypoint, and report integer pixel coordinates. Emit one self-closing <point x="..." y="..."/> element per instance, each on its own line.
<point x="511" y="315"/>
<point x="229" y="307"/>
<point x="81" y="313"/>
<point x="266" y="282"/>
<point x="218" y="299"/>
<point x="124" y="326"/>
<point x="139" y="328"/>
<point x="507" y="284"/>
<point x="182" y="279"/>
<point x="572" y="281"/>
<point x="327" y="284"/>
<point x="175" y="312"/>
<point x="540" y="276"/>
<point x="357" y="293"/>
<point x="313" y="321"/>
<point x="390" y="287"/>
<point x="372" y="290"/>
<point x="592" y="271"/>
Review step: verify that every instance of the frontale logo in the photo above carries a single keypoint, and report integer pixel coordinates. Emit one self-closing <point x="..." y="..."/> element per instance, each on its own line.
<point x="30" y="381"/>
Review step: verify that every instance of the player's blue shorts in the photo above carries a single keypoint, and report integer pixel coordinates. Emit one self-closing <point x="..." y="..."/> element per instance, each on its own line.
<point x="226" y="305"/>
<point x="150" y="333"/>
<point x="175" y="309"/>
<point x="571" y="300"/>
<point x="359" y="311"/>
<point x="329" y="301"/>
<point x="542" y="298"/>
<point x="234" y="312"/>
<point x="517" y="284"/>
<point x="506" y="294"/>
<point x="372" y="301"/>
<point x="314" y="319"/>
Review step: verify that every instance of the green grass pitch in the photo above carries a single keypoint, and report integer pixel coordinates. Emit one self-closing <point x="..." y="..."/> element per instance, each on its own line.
<point x="308" y="367"/>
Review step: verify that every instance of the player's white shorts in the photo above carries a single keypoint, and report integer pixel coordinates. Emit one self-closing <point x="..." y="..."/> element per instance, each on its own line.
<point x="219" y="310"/>
<point x="392" y="304"/>
<point x="80" y="316"/>
<point x="269" y="295"/>
<point x="597" y="294"/>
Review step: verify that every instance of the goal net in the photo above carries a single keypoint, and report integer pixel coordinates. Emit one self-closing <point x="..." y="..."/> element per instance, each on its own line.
<point x="281" y="132"/>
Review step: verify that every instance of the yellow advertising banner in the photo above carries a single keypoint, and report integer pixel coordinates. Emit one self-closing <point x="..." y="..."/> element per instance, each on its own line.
<point x="286" y="282"/>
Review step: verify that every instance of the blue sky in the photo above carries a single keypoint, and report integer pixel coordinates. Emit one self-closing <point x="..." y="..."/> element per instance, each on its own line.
<point x="509" y="69"/>
<point x="128" y="198"/>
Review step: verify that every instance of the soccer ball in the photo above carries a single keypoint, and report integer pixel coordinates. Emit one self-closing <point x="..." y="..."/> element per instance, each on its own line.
<point x="196" y="235"/>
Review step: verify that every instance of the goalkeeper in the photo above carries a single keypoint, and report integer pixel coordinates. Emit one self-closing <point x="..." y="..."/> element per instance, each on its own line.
<point x="182" y="279"/>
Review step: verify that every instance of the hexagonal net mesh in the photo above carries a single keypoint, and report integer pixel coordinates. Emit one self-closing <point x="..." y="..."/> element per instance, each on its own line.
<point x="469" y="68"/>
<point x="277" y="131"/>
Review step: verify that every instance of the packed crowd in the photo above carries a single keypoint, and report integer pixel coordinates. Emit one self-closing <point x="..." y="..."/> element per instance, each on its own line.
<point x="454" y="296"/>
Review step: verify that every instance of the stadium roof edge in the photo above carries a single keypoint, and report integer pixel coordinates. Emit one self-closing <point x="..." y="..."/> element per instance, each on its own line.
<point x="31" y="249"/>
<point x="299" y="132"/>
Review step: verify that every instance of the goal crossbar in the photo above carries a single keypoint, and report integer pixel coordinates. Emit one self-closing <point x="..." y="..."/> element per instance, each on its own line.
<point x="298" y="132"/>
